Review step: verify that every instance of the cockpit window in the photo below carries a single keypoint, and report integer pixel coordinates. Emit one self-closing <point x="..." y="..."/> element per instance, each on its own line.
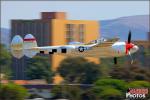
<point x="74" y="43"/>
<point x="101" y="40"/>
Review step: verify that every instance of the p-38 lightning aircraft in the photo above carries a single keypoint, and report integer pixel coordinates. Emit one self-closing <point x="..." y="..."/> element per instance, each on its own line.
<point x="98" y="48"/>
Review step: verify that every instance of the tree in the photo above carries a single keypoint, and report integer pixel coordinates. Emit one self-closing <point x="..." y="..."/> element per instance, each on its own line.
<point x="79" y="70"/>
<point x="5" y="61"/>
<point x="130" y="73"/>
<point x="108" y="63"/>
<point x="39" y="68"/>
<point x="109" y="89"/>
<point x="114" y="89"/>
<point x="138" y="84"/>
<point x="67" y="92"/>
<point x="12" y="92"/>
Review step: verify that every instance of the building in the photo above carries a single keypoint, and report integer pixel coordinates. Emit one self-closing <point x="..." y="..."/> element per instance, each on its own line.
<point x="23" y="27"/>
<point x="53" y="29"/>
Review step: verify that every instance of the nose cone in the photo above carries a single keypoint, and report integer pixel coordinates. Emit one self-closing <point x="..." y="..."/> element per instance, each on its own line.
<point x="136" y="47"/>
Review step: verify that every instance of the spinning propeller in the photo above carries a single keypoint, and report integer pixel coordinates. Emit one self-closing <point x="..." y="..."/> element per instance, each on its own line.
<point x="128" y="47"/>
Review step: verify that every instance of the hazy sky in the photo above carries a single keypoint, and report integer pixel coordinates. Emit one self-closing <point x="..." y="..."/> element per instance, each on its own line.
<point x="88" y="10"/>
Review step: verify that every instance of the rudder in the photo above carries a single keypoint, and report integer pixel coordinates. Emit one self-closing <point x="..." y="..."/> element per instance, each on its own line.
<point x="17" y="46"/>
<point x="29" y="43"/>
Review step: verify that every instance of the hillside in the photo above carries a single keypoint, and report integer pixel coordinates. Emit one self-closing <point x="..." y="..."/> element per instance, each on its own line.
<point x="5" y="36"/>
<point x="139" y="25"/>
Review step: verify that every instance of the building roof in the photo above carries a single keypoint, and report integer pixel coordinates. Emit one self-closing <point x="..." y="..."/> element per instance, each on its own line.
<point x="25" y="82"/>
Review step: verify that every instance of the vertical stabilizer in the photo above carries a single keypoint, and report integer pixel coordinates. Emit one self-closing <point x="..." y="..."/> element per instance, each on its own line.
<point x="17" y="46"/>
<point x="29" y="43"/>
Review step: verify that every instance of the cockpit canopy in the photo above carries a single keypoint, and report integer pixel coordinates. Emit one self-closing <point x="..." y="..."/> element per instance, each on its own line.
<point x="100" y="40"/>
<point x="74" y="43"/>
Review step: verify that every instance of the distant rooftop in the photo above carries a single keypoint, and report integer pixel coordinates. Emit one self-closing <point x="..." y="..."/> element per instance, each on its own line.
<point x="25" y="82"/>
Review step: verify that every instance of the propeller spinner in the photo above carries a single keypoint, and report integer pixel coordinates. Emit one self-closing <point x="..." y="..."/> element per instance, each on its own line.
<point x="130" y="47"/>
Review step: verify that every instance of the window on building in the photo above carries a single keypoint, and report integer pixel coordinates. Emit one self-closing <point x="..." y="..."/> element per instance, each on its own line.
<point x="81" y="32"/>
<point x="69" y="33"/>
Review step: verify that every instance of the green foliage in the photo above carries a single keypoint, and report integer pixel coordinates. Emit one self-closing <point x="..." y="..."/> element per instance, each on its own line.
<point x="5" y="61"/>
<point x="39" y="68"/>
<point x="130" y="73"/>
<point x="12" y="92"/>
<point x="111" y="94"/>
<point x="107" y="64"/>
<point x="115" y="89"/>
<point x="79" y="70"/>
<point x="109" y="89"/>
<point x="138" y="84"/>
<point x="103" y="89"/>
<point x="115" y="83"/>
<point x="67" y="91"/>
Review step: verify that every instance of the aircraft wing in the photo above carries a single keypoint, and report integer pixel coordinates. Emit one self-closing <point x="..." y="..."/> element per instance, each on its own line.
<point x="106" y="43"/>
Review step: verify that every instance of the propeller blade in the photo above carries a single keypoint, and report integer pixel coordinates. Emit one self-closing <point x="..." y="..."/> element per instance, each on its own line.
<point x="129" y="37"/>
<point x="126" y="51"/>
<point x="115" y="60"/>
<point x="131" y="57"/>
